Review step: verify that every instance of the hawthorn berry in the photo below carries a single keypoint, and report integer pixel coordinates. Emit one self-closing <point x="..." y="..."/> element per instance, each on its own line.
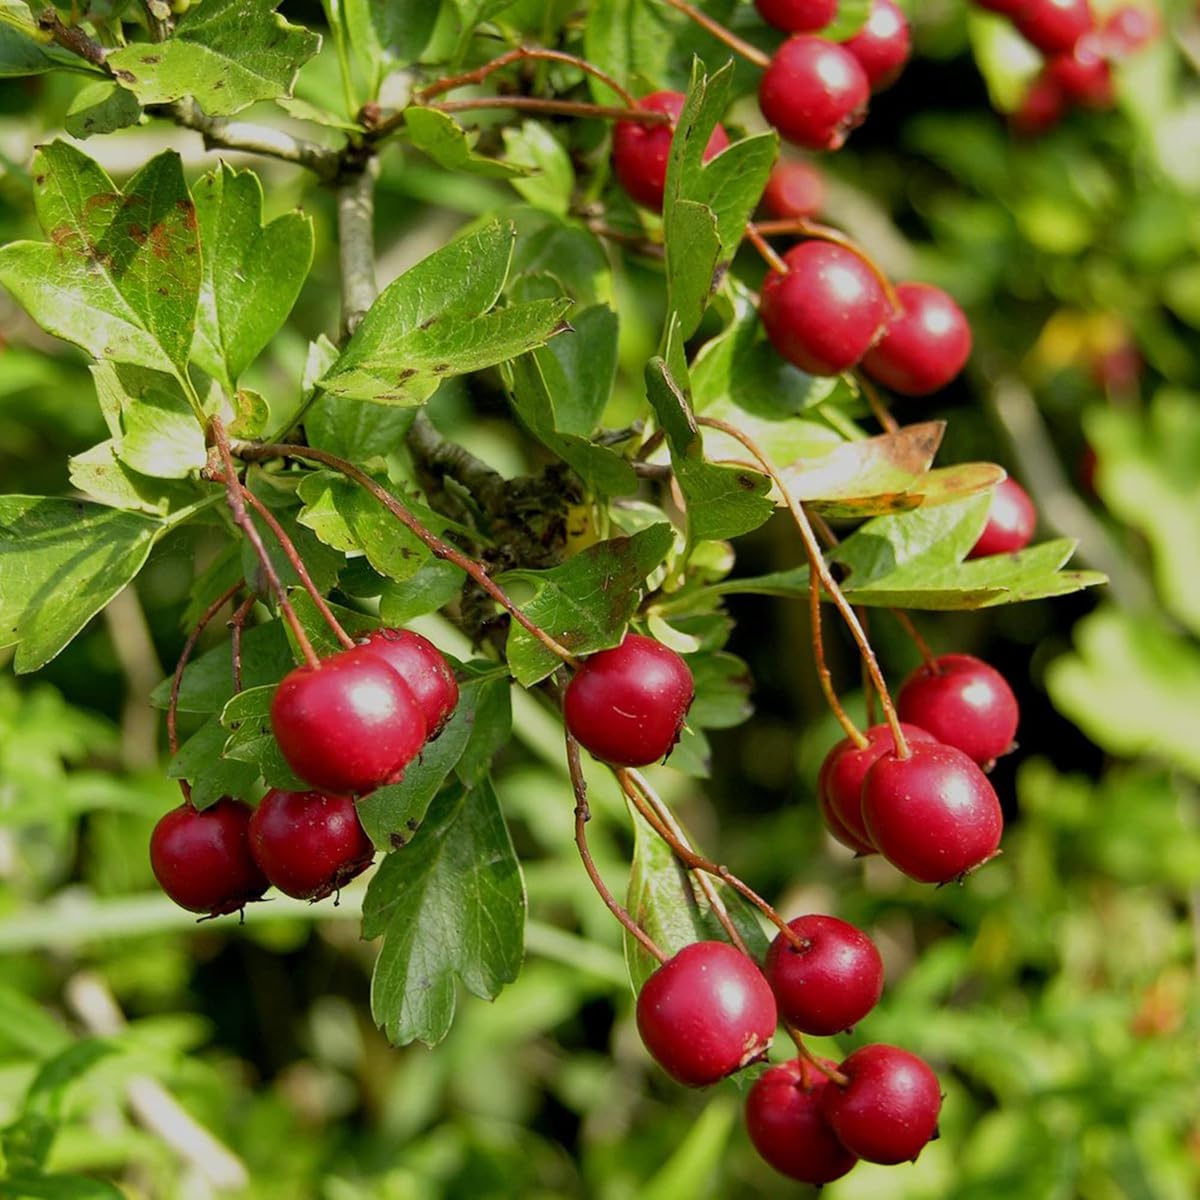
<point x="706" y="1013"/>
<point x="1011" y="521"/>
<point x="347" y="725"/>
<point x="640" y="152"/>
<point x="1006" y="8"/>
<point x="309" y="844"/>
<point x="202" y="859"/>
<point x="933" y="815"/>
<point x="795" y="190"/>
<point x="814" y="92"/>
<point x="627" y="705"/>
<point x="420" y="664"/>
<point x="964" y="703"/>
<point x="1083" y="73"/>
<point x="788" y="1127"/>
<point x="887" y="1110"/>
<point x="1054" y="26"/>
<point x="882" y="45"/>
<point x="924" y="346"/>
<point x="797" y="16"/>
<point x="825" y="313"/>
<point x="829" y="984"/>
<point x="1041" y="108"/>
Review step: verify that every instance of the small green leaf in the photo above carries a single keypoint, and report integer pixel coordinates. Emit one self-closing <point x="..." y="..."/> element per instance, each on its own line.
<point x="388" y="33"/>
<point x="550" y="181"/>
<point x="100" y="474"/>
<point x="434" y="585"/>
<point x="201" y="762"/>
<point x="101" y="108"/>
<point x="447" y="143"/>
<point x="19" y="1186"/>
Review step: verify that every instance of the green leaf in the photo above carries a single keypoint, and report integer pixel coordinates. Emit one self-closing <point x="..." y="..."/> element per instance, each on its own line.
<point x="63" y="561"/>
<point x="201" y="762"/>
<point x="388" y="33"/>
<point x="252" y="272"/>
<point x="247" y="717"/>
<point x="225" y="53"/>
<point x="120" y="276"/>
<point x="100" y="474"/>
<point x="550" y="181"/>
<point x="19" y="1186"/>
<point x="580" y="369"/>
<point x="451" y="904"/>
<point x="25" y="49"/>
<point x="434" y="585"/>
<point x="851" y="17"/>
<point x="437" y="320"/>
<point x="586" y="603"/>
<point x="723" y="686"/>
<point x="447" y="143"/>
<point x="101" y="108"/>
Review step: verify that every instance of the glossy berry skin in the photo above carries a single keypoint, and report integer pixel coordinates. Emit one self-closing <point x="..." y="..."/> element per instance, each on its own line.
<point x="1011" y="522"/>
<point x="788" y="1127"/>
<point x="348" y="725"/>
<point x="420" y="664"/>
<point x="888" y="1110"/>
<point x="826" y="312"/>
<point x="1054" y="26"/>
<point x="964" y="703"/>
<point x="627" y="705"/>
<point x="842" y="774"/>
<point x="883" y="44"/>
<point x="640" y="152"/>
<point x="1083" y="73"/>
<point x="706" y="1013"/>
<point x="932" y="815"/>
<point x="831" y="984"/>
<point x="795" y="189"/>
<point x="202" y="859"/>
<point x="309" y="844"/>
<point x="797" y="16"/>
<point x="925" y="345"/>
<point x="1041" y="108"/>
<point x="837" y="827"/>
<point x="814" y="92"/>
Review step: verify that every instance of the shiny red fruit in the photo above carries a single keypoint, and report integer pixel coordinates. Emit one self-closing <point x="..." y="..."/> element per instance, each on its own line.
<point x="640" y="152"/>
<point x="795" y="190"/>
<point x="202" y="859"/>
<point x="1083" y="73"/>
<point x="627" y="705"/>
<point x="814" y="92"/>
<point x="964" y="703"/>
<point x="831" y="983"/>
<point x="883" y="44"/>
<point x="706" y="1013"/>
<point x="933" y="815"/>
<point x="309" y="844"/>
<point x="797" y="16"/>
<point x="420" y="664"/>
<point x="888" y="1110"/>
<point x="789" y="1130"/>
<point x="1041" y="108"/>
<point x="826" y="312"/>
<point x="1054" y="26"/>
<point x="925" y="345"/>
<point x="1011" y="522"/>
<point x="1006" y="8"/>
<point x="348" y="725"/>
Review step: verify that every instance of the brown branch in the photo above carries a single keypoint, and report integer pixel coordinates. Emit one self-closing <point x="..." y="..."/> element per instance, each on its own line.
<point x="878" y="409"/>
<point x="562" y="108"/>
<point x="823" y="673"/>
<point x="727" y="36"/>
<point x="237" y="623"/>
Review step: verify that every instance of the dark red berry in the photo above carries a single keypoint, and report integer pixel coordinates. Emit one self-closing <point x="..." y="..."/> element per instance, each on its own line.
<point x="1083" y="73"/>
<point x="888" y="1110"/>
<point x="202" y="859"/>
<point x="347" y="725"/>
<point x="1129" y="29"/>
<point x="797" y="16"/>
<point x="627" y="705"/>
<point x="814" y="92"/>
<point x="1006" y="8"/>
<point x="831" y="983"/>
<point x="964" y="703"/>
<point x="837" y="827"/>
<point x="842" y="774"/>
<point x="826" y="312"/>
<point x="309" y="844"/>
<point x="1011" y="522"/>
<point x="1054" y="26"/>
<point x="706" y="1013"/>
<point x="420" y="664"/>
<point x="640" y="152"/>
<point x="795" y="189"/>
<point x="788" y="1127"/>
<point x="882" y="45"/>
<point x="925" y="345"/>
<point x="933" y="815"/>
<point x="1041" y="108"/>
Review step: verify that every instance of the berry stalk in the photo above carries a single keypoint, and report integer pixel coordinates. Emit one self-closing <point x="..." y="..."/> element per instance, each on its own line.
<point x="736" y="44"/>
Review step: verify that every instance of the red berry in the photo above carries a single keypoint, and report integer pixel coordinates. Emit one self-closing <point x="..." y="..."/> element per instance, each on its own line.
<point x="706" y="1013"/>
<point x="836" y="826"/>
<point x="842" y="775"/>
<point x="627" y="705"/>
<point x="1006" y="8"/>
<point x="1129" y="29"/>
<point x="789" y="1130"/>
<point x="1083" y="73"/>
<point x="830" y="984"/>
<point x="932" y="815"/>
<point x="1041" y="108"/>
<point x="925" y="345"/>
<point x="307" y="843"/>
<point x="347" y="725"/>
<point x="797" y="16"/>
<point x="1054" y="26"/>
<point x="888" y="1110"/>
<point x="640" y="152"/>
<point x="814" y="92"/>
<point x="882" y="45"/>
<point x="826" y="312"/>
<point x="202" y="859"/>
<point x="1011" y="521"/>
<point x="420" y="664"/>
<point x="964" y="703"/>
<point x="795" y="189"/>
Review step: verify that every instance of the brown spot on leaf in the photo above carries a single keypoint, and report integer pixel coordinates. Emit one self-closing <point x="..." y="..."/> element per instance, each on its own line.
<point x="100" y="200"/>
<point x="189" y="214"/>
<point x="39" y="179"/>
<point x="398" y="840"/>
<point x="405" y="376"/>
<point x="138" y="234"/>
<point x="440" y="369"/>
<point x="160" y="241"/>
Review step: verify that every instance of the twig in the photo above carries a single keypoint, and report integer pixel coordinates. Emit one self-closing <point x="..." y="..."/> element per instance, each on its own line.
<point x="72" y="38"/>
<point x="356" y="245"/>
<point x="909" y="626"/>
<point x="879" y="410"/>
<point x="736" y="44"/>
<point x="636" y="242"/>
<point x="562" y="108"/>
<point x="237" y="623"/>
<point x="764" y="248"/>
<point x="830" y="1073"/>
<point x="824" y="675"/>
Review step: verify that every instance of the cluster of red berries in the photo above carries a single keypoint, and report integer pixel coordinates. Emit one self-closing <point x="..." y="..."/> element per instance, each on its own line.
<point x="346" y="726"/>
